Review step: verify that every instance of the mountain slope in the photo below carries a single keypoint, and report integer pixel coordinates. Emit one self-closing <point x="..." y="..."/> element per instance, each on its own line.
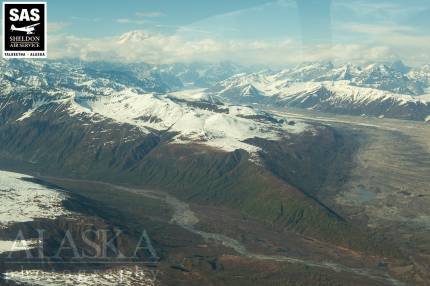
<point x="195" y="147"/>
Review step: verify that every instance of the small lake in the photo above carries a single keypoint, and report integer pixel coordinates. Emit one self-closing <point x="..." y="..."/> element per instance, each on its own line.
<point x="359" y="195"/>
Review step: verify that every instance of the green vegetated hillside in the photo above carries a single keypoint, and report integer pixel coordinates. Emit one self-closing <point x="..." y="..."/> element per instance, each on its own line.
<point x="53" y="143"/>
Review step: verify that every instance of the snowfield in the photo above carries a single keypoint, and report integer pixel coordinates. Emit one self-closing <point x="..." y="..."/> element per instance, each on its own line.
<point x="125" y="276"/>
<point x="198" y="94"/>
<point x="19" y="245"/>
<point x="225" y="129"/>
<point x="23" y="201"/>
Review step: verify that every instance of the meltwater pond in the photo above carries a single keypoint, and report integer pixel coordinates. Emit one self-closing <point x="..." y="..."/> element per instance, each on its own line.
<point x="358" y="196"/>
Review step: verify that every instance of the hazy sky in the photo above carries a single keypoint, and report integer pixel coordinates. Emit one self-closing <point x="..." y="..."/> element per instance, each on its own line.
<point x="247" y="31"/>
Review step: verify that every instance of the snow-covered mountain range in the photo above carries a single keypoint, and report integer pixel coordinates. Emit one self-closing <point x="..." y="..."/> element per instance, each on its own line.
<point x="375" y="90"/>
<point x="140" y="97"/>
<point x="210" y="102"/>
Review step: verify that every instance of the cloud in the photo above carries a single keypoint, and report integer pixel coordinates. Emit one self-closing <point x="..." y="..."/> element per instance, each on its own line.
<point x="148" y="14"/>
<point x="141" y="46"/>
<point x="390" y="34"/>
<point x="140" y="20"/>
<point x="377" y="29"/>
<point x="57" y="26"/>
<point x="405" y="42"/>
<point x="379" y="9"/>
<point x="129" y="21"/>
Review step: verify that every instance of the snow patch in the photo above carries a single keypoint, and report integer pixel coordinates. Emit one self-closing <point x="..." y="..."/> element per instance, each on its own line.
<point x="24" y="201"/>
<point x="125" y="276"/>
<point x="19" y="245"/>
<point x="241" y="110"/>
<point x="34" y="107"/>
<point x="198" y="94"/>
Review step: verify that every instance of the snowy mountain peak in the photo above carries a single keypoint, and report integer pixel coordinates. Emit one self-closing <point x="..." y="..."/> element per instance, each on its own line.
<point x="135" y="36"/>
<point x="250" y="90"/>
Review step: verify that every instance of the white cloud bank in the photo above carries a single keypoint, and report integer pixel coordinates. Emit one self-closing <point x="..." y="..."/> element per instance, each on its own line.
<point x="141" y="46"/>
<point x="57" y="26"/>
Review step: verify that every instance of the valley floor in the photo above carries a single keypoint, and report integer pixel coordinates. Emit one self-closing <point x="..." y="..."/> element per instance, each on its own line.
<point x="389" y="187"/>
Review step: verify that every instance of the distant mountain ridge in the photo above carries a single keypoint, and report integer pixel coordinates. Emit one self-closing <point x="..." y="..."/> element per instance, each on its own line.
<point x="377" y="89"/>
<point x="380" y="90"/>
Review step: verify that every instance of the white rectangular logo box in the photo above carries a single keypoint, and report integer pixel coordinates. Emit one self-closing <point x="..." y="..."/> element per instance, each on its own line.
<point x="25" y="30"/>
